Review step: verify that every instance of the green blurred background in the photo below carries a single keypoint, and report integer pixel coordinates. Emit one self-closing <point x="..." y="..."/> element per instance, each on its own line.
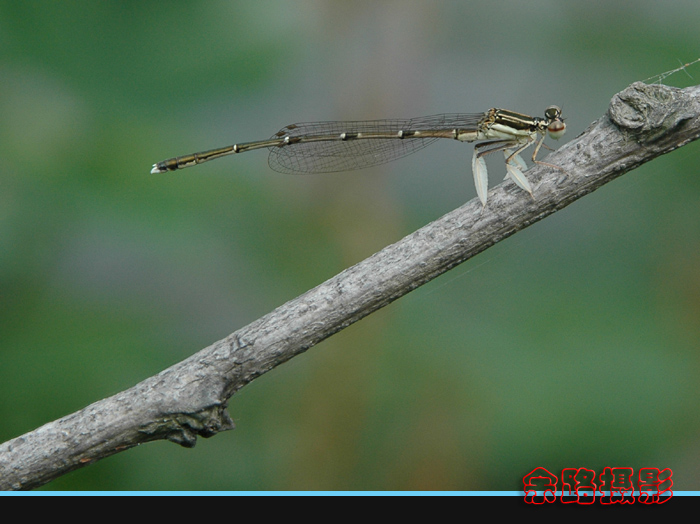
<point x="575" y="343"/>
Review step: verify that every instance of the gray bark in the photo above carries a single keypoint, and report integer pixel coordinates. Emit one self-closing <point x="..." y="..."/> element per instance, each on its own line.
<point x="191" y="397"/>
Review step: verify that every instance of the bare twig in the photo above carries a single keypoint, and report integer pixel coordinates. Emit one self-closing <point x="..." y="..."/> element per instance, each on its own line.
<point x="191" y="397"/>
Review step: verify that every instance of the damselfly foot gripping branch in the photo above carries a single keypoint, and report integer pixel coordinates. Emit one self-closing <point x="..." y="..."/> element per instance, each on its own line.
<point x="326" y="147"/>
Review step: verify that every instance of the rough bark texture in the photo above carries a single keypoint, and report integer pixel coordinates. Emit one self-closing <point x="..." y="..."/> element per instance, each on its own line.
<point x="190" y="398"/>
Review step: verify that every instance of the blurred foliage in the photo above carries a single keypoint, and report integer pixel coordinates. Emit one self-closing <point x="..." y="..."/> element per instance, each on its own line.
<point x="572" y="344"/>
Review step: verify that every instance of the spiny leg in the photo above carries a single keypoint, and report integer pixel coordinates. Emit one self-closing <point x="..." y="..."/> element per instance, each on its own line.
<point x="541" y="143"/>
<point x="481" y="176"/>
<point x="516" y="171"/>
<point x="512" y="149"/>
<point x="515" y="166"/>
<point x="516" y="158"/>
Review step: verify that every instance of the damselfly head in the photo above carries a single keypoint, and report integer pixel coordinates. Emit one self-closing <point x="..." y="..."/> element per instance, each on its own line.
<point x="556" y="126"/>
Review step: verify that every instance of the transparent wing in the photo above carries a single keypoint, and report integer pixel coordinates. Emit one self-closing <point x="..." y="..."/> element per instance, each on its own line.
<point x="328" y="156"/>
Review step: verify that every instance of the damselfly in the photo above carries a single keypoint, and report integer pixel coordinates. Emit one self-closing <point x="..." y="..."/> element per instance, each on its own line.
<point x="326" y="147"/>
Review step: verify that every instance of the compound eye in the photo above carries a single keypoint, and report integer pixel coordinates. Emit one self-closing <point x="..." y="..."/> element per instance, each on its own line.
<point x="552" y="112"/>
<point x="556" y="129"/>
